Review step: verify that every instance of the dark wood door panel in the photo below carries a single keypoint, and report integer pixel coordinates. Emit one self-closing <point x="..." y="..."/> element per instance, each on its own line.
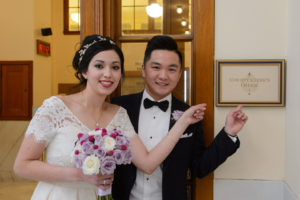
<point x="16" y="90"/>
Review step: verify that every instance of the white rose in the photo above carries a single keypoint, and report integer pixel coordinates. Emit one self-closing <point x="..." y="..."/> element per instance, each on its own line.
<point x="91" y="165"/>
<point x="109" y="143"/>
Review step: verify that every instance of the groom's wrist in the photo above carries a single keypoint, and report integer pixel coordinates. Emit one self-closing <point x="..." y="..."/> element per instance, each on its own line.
<point x="230" y="135"/>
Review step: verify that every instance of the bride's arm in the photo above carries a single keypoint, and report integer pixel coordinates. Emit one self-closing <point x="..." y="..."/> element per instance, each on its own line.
<point x="149" y="161"/>
<point x="28" y="165"/>
<point x="40" y="132"/>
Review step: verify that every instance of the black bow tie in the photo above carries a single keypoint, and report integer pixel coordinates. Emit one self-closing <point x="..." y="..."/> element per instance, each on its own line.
<point x="163" y="105"/>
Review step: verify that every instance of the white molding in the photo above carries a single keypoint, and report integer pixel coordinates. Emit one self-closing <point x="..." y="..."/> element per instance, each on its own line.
<point x="252" y="190"/>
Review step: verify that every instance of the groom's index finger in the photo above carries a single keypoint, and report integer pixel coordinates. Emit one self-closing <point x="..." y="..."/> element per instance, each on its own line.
<point x="239" y="107"/>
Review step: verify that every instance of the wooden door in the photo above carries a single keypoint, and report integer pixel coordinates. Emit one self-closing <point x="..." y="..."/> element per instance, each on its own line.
<point x="16" y="90"/>
<point x="104" y="17"/>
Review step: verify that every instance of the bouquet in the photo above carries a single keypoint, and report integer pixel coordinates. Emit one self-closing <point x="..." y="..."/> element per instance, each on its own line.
<point x="100" y="151"/>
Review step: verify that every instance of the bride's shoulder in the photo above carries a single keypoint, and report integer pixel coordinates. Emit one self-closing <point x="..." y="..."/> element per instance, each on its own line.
<point x="69" y="100"/>
<point x="117" y="110"/>
<point x="51" y="101"/>
<point x="112" y="107"/>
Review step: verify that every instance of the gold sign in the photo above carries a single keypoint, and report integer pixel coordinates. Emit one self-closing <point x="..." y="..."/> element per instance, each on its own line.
<point x="250" y="82"/>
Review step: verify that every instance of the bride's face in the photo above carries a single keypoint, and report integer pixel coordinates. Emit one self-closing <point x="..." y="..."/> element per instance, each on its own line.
<point x="104" y="72"/>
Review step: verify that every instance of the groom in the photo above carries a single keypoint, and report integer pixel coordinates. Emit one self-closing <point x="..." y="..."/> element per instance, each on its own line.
<point x="151" y="115"/>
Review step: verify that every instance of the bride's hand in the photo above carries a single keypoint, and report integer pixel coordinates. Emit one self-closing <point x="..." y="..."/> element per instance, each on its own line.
<point x="102" y="181"/>
<point x="193" y="114"/>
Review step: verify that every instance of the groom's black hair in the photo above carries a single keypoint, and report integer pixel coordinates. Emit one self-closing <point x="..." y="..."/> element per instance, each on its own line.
<point x="161" y="42"/>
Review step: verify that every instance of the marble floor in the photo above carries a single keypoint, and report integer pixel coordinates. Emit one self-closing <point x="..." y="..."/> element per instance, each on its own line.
<point x="16" y="190"/>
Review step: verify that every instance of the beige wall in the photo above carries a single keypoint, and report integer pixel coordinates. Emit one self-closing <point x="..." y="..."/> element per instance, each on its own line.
<point x="253" y="30"/>
<point x="17" y="25"/>
<point x="267" y="29"/>
<point x="42" y="65"/>
<point x="292" y="149"/>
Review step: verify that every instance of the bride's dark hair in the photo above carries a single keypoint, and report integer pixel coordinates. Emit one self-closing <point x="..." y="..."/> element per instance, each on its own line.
<point x="91" y="46"/>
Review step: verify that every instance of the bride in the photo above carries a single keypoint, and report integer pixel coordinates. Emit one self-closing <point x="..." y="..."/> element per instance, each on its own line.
<point x="54" y="127"/>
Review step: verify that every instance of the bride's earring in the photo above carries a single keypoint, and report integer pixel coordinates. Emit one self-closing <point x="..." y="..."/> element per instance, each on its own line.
<point x="84" y="76"/>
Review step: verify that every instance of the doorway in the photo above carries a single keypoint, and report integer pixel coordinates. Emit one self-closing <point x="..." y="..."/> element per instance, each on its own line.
<point x="106" y="18"/>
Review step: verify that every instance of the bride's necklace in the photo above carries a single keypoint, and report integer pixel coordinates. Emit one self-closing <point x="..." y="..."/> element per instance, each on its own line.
<point x="97" y="124"/>
<point x="95" y="118"/>
<point x="97" y="121"/>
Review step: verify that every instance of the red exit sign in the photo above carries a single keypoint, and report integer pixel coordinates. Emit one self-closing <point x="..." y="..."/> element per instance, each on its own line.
<point x="43" y="48"/>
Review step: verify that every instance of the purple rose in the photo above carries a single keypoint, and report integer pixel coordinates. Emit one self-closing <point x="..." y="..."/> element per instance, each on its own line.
<point x="87" y="147"/>
<point x="79" y="160"/>
<point x="118" y="156"/>
<point x="98" y="140"/>
<point x="127" y="157"/>
<point x="121" y="140"/>
<point x="100" y="152"/>
<point x="108" y="165"/>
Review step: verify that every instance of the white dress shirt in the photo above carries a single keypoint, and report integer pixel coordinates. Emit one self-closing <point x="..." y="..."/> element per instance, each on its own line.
<point x="153" y="127"/>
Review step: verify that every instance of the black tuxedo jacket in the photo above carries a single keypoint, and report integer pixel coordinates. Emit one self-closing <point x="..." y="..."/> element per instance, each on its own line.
<point x="189" y="153"/>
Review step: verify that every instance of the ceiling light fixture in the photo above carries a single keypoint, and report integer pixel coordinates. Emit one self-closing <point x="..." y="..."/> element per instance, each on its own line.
<point x="183" y="22"/>
<point x="154" y="10"/>
<point x="179" y="9"/>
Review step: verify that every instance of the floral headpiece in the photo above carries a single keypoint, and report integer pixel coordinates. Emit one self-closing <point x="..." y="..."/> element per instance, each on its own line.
<point x="85" y="47"/>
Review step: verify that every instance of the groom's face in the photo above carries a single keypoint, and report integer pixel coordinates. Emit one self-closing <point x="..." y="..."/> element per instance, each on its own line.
<point x="161" y="73"/>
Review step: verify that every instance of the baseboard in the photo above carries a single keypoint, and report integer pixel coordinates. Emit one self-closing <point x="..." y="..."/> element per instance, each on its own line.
<point x="252" y="190"/>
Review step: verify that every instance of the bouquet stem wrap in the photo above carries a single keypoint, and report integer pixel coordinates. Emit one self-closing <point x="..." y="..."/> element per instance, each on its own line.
<point x="104" y="194"/>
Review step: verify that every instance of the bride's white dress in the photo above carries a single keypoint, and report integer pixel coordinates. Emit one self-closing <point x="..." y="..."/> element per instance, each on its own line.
<point x="56" y="126"/>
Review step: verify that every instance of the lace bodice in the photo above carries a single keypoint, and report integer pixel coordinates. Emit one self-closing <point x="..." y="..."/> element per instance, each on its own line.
<point x="55" y="125"/>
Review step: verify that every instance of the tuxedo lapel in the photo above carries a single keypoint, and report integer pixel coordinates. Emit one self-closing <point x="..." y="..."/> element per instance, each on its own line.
<point x="135" y="111"/>
<point x="175" y="105"/>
